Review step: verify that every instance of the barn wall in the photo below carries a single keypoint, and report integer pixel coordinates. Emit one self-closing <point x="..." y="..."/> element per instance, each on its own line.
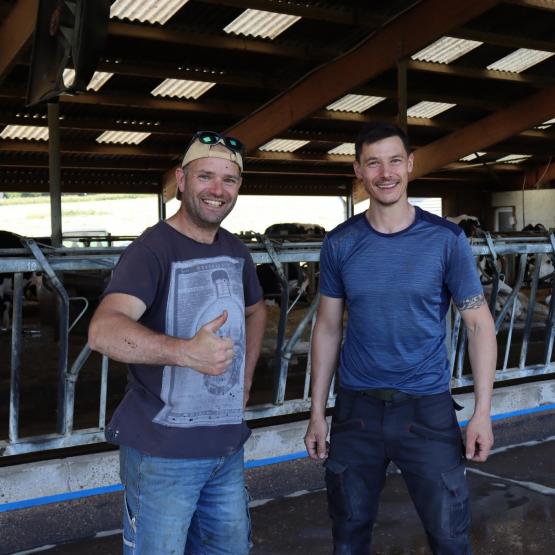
<point x="538" y="206"/>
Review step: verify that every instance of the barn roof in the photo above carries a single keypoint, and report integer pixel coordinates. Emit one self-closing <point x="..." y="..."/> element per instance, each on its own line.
<point x="476" y="79"/>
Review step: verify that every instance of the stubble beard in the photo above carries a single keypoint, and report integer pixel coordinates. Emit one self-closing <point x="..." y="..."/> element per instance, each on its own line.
<point x="194" y="213"/>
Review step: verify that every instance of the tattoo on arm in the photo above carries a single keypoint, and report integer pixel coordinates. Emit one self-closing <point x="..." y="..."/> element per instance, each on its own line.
<point x="472" y="302"/>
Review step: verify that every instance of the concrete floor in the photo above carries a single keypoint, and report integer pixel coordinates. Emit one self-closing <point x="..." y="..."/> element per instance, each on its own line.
<point x="512" y="495"/>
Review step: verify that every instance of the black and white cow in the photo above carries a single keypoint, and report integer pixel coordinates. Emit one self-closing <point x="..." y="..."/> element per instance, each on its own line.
<point x="32" y="281"/>
<point x="296" y="275"/>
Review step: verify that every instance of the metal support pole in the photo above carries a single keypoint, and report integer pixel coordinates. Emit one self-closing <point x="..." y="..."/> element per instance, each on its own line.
<point x="349" y="205"/>
<point x="278" y="393"/>
<point x="287" y="351"/>
<point x="70" y="383"/>
<point x="54" y="173"/>
<point x="17" y="330"/>
<point x="161" y="206"/>
<point x="530" y="311"/>
<point x="402" y="94"/>
<point x="63" y="340"/>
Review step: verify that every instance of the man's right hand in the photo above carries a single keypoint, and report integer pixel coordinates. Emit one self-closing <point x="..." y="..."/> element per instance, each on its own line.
<point x="208" y="353"/>
<point x="315" y="438"/>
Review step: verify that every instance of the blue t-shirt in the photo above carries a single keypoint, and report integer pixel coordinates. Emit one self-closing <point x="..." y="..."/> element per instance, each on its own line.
<point x="170" y="411"/>
<point x="397" y="289"/>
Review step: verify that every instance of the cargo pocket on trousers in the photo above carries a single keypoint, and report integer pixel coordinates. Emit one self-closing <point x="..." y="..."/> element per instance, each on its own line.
<point x="338" y="500"/>
<point x="456" y="510"/>
<point x="129" y="528"/>
<point x="445" y="436"/>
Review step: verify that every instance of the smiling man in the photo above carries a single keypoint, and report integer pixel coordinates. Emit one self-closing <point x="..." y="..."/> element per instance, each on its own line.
<point x="395" y="268"/>
<point x="185" y="310"/>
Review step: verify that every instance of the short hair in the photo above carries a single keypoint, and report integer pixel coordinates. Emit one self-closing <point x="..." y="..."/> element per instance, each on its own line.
<point x="377" y="131"/>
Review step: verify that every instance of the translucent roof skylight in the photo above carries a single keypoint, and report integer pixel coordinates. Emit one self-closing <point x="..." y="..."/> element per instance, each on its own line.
<point x="99" y="78"/>
<point x="345" y="149"/>
<point x="514" y="158"/>
<point x="153" y="11"/>
<point x="182" y="88"/>
<point x="445" y="50"/>
<point x="122" y="137"/>
<point x="473" y="156"/>
<point x="283" y="145"/>
<point x="520" y="60"/>
<point x="546" y="124"/>
<point x="355" y="103"/>
<point x="26" y="132"/>
<point x="258" y="23"/>
<point x="427" y="109"/>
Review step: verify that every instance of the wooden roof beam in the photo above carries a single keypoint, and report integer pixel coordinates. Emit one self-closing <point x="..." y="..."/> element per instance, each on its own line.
<point x="509" y="41"/>
<point x="221" y="77"/>
<point x="400" y="38"/>
<point x="538" y="177"/>
<point x="538" y="81"/>
<point x="146" y="102"/>
<point x="433" y="94"/>
<point x="73" y="147"/>
<point x="203" y="40"/>
<point x="16" y="33"/>
<point x="346" y="16"/>
<point x="546" y="5"/>
<point x="490" y="130"/>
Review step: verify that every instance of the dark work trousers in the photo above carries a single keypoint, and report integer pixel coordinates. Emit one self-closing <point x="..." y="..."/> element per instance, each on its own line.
<point x="422" y="437"/>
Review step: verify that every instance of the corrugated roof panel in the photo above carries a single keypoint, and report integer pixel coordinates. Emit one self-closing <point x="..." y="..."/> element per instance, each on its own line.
<point x="354" y="103"/>
<point x="546" y="124"/>
<point x="99" y="78"/>
<point x="520" y="60"/>
<point x="182" y="88"/>
<point x="122" y="137"/>
<point x="153" y="11"/>
<point x="258" y="23"/>
<point x="445" y="50"/>
<point x="345" y="149"/>
<point x="473" y="156"/>
<point x="427" y="109"/>
<point x="514" y="158"/>
<point x="283" y="145"/>
<point x="26" y="132"/>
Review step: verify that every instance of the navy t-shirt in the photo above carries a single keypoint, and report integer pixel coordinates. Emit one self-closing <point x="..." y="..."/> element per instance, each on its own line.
<point x="170" y="411"/>
<point x="397" y="289"/>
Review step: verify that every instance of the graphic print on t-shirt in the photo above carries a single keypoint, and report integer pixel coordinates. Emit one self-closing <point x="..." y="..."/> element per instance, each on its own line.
<point x="200" y="290"/>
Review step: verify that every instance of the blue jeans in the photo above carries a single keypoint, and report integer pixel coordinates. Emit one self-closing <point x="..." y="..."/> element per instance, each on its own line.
<point x="422" y="437"/>
<point x="184" y="506"/>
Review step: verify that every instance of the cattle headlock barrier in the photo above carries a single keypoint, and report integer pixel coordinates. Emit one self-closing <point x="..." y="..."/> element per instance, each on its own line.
<point x="518" y="287"/>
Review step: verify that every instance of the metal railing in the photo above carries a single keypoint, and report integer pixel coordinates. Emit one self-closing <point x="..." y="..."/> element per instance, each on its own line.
<point x="513" y="290"/>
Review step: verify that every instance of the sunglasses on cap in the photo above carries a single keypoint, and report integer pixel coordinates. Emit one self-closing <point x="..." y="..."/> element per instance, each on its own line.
<point x="213" y="138"/>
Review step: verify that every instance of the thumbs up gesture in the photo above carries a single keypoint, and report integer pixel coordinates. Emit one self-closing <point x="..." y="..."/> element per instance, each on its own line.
<point x="208" y="353"/>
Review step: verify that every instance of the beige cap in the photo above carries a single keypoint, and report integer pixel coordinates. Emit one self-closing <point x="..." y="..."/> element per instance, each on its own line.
<point x="199" y="150"/>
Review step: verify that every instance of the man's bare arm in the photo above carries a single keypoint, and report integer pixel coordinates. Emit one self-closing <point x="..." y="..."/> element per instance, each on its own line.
<point x="326" y="342"/>
<point x="482" y="351"/>
<point x="255" y="323"/>
<point x="115" y="332"/>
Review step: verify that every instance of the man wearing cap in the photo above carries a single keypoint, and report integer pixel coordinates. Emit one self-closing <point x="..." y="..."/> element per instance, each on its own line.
<point x="184" y="309"/>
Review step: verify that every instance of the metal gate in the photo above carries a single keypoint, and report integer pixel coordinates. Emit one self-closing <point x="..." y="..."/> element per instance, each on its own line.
<point x="519" y="295"/>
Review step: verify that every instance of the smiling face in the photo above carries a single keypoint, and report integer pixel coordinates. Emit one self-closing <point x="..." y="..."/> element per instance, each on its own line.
<point x="384" y="167"/>
<point x="209" y="189"/>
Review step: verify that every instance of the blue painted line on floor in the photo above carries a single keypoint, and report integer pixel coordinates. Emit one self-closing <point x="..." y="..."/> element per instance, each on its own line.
<point x="521" y="412"/>
<point x="28" y="503"/>
<point x="275" y="460"/>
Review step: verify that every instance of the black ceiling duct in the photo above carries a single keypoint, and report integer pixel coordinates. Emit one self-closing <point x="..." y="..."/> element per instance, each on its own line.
<point x="68" y="34"/>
